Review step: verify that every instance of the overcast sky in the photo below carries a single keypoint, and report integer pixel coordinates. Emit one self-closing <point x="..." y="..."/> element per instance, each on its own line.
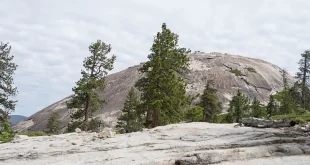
<point x="50" y="39"/>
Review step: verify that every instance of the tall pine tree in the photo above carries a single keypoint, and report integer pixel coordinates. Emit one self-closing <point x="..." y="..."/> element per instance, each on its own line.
<point x="7" y="90"/>
<point x="86" y="99"/>
<point x="239" y="107"/>
<point x="209" y="103"/>
<point x="163" y="91"/>
<point x="303" y="76"/>
<point x="131" y="117"/>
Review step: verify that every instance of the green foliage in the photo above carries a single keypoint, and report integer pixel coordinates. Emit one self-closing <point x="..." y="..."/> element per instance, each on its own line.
<point x="239" y="107"/>
<point x="95" y="125"/>
<point x="36" y="133"/>
<point x="224" y="118"/>
<point x="163" y="91"/>
<point x="257" y="109"/>
<point x="303" y="118"/>
<point x="6" y="133"/>
<point x="236" y="72"/>
<point x="72" y="125"/>
<point x="53" y="124"/>
<point x="7" y="69"/>
<point x="194" y="114"/>
<point x="272" y="107"/>
<point x="286" y="101"/>
<point x="131" y="118"/>
<point x="285" y="98"/>
<point x="86" y="99"/>
<point x="250" y="69"/>
<point x="209" y="103"/>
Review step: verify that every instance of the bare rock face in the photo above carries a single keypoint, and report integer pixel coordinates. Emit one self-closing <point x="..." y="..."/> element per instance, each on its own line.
<point x="176" y="144"/>
<point x="254" y="77"/>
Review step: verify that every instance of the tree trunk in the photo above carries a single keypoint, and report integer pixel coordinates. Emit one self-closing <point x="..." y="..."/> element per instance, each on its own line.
<point x="86" y="115"/>
<point x="155" y="119"/>
<point x="148" y="118"/>
<point x="304" y="79"/>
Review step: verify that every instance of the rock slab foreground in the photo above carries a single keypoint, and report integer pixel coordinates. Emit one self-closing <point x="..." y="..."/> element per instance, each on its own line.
<point x="177" y="144"/>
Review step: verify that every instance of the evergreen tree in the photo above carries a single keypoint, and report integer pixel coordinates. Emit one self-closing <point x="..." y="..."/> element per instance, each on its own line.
<point x="257" y="109"/>
<point x="302" y="76"/>
<point x="53" y="124"/>
<point x="209" y="103"/>
<point x="130" y="119"/>
<point x="286" y="101"/>
<point x="272" y="107"/>
<point x="284" y="97"/>
<point x="194" y="114"/>
<point x="86" y="99"/>
<point x="163" y="91"/>
<point x="7" y="69"/>
<point x="239" y="107"/>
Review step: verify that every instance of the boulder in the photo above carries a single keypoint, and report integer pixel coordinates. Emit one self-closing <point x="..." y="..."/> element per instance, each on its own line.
<point x="78" y="130"/>
<point x="265" y="123"/>
<point x="106" y="133"/>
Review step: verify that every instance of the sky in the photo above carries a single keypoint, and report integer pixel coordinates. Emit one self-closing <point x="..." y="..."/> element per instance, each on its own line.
<point x="50" y="39"/>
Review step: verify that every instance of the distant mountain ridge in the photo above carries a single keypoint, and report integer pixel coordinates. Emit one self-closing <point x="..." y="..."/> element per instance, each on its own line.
<point x="14" y="119"/>
<point x="254" y="77"/>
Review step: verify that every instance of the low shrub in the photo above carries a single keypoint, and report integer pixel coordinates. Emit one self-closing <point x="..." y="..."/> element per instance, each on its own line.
<point x="6" y="134"/>
<point x="236" y="72"/>
<point x="250" y="69"/>
<point x="224" y="118"/>
<point x="35" y="133"/>
<point x="304" y="118"/>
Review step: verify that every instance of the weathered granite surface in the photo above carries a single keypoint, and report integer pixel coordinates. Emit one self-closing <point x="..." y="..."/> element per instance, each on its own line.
<point x="180" y="144"/>
<point x="264" y="80"/>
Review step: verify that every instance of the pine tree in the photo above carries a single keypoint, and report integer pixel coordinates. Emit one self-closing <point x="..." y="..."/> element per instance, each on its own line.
<point x="163" y="91"/>
<point x="209" y="103"/>
<point x="239" y="107"/>
<point x="284" y="97"/>
<point x="130" y="119"/>
<point x="302" y="76"/>
<point x="272" y="107"/>
<point x="86" y="99"/>
<point x="53" y="124"/>
<point x="257" y="109"/>
<point x="7" y="91"/>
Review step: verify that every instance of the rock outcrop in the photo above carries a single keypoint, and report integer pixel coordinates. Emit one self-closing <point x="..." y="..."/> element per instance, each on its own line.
<point x="177" y="144"/>
<point x="254" y="77"/>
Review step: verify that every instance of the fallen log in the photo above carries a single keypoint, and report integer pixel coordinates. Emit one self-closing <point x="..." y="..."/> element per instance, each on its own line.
<point x="265" y="123"/>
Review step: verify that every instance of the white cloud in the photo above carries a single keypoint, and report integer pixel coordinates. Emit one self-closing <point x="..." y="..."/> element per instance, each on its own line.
<point x="50" y="39"/>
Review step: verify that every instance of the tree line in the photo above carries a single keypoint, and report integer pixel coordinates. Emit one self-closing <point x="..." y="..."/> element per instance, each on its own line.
<point x="163" y="98"/>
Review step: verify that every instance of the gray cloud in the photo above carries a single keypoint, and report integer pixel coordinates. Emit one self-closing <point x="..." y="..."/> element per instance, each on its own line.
<point x="50" y="39"/>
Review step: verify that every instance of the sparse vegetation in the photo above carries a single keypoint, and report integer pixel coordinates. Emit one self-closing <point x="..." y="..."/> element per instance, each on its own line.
<point x="295" y="117"/>
<point x="236" y="72"/>
<point x="250" y="69"/>
<point x="35" y="133"/>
